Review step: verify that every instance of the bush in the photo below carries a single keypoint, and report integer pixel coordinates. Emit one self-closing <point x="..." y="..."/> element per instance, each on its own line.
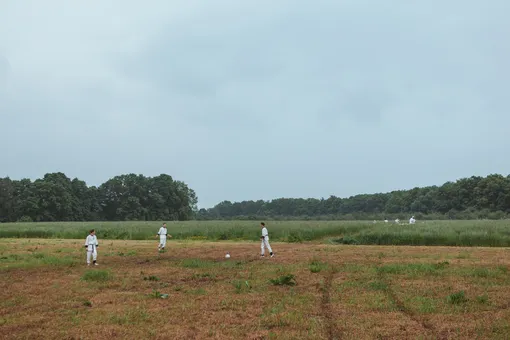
<point x="294" y="238"/>
<point x="284" y="280"/>
<point x="317" y="266"/>
<point x="347" y="240"/>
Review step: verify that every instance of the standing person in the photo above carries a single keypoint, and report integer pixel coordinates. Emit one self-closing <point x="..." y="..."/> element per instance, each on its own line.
<point x="265" y="241"/>
<point x="412" y="220"/>
<point x="91" y="244"/>
<point x="163" y="232"/>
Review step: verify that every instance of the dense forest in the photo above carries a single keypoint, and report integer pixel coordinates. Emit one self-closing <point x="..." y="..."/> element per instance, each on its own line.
<point x="468" y="198"/>
<point x="55" y="197"/>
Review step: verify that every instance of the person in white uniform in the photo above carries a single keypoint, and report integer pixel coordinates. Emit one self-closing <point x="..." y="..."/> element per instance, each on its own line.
<point x="91" y="244"/>
<point x="265" y="241"/>
<point x="412" y="220"/>
<point x="162" y="233"/>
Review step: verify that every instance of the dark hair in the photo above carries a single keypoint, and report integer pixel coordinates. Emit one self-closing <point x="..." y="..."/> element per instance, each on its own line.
<point x="92" y="230"/>
<point x="262" y="223"/>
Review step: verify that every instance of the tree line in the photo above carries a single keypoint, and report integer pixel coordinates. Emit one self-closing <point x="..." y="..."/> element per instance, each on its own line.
<point x="467" y="198"/>
<point x="56" y="197"/>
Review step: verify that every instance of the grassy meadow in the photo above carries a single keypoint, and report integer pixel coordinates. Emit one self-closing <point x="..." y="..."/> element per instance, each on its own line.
<point x="427" y="233"/>
<point x="328" y="280"/>
<point x="307" y="291"/>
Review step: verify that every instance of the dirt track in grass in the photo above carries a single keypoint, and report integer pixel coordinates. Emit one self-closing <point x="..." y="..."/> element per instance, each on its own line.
<point x="357" y="292"/>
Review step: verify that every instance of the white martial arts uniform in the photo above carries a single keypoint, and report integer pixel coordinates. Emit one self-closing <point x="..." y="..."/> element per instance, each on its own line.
<point x="91" y="244"/>
<point x="162" y="237"/>
<point x="265" y="242"/>
<point x="412" y="220"/>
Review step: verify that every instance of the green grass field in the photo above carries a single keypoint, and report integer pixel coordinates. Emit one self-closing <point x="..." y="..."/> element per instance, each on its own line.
<point x="430" y="233"/>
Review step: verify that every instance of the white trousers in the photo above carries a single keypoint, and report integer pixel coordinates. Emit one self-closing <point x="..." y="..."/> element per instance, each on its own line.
<point x="162" y="242"/>
<point x="93" y="254"/>
<point x="265" y="242"/>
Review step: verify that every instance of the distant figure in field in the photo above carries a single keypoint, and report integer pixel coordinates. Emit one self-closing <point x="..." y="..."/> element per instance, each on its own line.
<point x="385" y="221"/>
<point x="265" y="241"/>
<point x="91" y="245"/>
<point x="162" y="233"/>
<point x="412" y="220"/>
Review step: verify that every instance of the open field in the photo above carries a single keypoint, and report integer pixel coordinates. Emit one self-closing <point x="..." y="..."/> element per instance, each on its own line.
<point x="428" y="233"/>
<point x="318" y="291"/>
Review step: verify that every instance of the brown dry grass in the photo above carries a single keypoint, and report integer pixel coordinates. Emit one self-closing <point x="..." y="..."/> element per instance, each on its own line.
<point x="362" y="292"/>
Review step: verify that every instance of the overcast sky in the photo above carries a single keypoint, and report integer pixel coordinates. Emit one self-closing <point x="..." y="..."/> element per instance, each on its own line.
<point x="256" y="99"/>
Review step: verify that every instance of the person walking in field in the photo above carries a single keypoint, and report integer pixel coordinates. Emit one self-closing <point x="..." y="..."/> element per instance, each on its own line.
<point x="162" y="233"/>
<point x="91" y="244"/>
<point x="265" y="241"/>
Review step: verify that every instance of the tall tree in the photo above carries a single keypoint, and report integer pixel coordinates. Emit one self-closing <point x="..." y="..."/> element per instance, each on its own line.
<point x="55" y="197"/>
<point x="7" y="190"/>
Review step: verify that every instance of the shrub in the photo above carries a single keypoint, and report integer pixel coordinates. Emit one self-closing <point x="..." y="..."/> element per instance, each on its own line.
<point x="284" y="280"/>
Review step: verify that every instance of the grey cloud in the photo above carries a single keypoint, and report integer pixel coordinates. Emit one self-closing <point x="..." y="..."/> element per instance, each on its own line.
<point x="257" y="99"/>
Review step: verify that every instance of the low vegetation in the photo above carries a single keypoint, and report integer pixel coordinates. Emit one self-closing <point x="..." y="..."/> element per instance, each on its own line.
<point x="96" y="275"/>
<point x="424" y="233"/>
<point x="308" y="291"/>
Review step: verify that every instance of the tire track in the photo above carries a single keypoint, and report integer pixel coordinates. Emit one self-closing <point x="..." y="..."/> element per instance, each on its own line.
<point x="410" y="314"/>
<point x="331" y="330"/>
<point x="427" y="326"/>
